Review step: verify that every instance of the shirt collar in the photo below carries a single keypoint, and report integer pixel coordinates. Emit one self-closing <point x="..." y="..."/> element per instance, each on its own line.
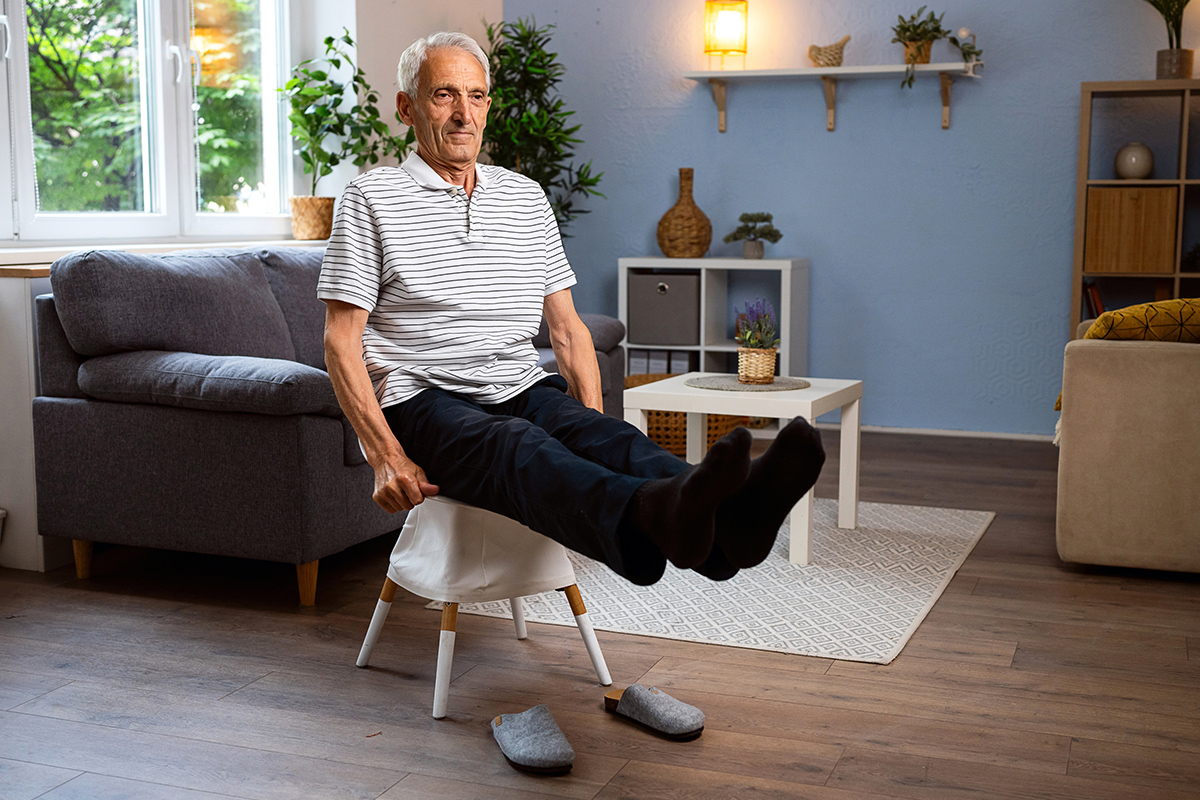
<point x="424" y="175"/>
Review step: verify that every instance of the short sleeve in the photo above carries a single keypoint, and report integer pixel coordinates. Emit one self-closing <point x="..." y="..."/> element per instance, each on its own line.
<point x="559" y="275"/>
<point x="353" y="265"/>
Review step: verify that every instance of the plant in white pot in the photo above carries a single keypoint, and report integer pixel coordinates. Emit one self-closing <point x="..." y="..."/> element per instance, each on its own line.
<point x="1174" y="62"/>
<point x="754" y="228"/>
<point x="757" y="343"/>
<point x="327" y="132"/>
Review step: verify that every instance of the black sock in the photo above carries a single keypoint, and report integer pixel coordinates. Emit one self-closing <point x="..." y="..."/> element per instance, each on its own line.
<point x="717" y="567"/>
<point x="748" y="521"/>
<point x="678" y="514"/>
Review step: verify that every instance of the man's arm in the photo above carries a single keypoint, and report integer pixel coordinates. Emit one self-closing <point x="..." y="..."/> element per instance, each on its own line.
<point x="573" y="349"/>
<point x="399" y="483"/>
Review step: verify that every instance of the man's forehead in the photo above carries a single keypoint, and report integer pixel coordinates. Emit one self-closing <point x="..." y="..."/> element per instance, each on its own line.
<point x="448" y="66"/>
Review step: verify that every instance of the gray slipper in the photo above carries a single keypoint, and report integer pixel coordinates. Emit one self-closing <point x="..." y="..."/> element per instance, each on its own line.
<point x="656" y="710"/>
<point x="532" y="742"/>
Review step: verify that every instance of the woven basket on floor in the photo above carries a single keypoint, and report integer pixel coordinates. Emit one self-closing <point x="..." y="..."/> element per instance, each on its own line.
<point x="756" y="365"/>
<point x="312" y="217"/>
<point x="668" y="429"/>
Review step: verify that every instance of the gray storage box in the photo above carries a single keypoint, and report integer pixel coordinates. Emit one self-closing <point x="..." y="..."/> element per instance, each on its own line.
<point x="664" y="308"/>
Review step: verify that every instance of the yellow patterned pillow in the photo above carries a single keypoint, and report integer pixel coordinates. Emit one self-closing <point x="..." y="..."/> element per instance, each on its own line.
<point x="1163" y="321"/>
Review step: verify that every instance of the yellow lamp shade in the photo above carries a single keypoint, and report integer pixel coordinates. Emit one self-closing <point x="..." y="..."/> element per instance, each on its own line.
<point x="725" y="27"/>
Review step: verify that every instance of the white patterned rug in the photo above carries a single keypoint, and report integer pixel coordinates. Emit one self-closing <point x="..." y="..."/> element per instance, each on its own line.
<point x="865" y="593"/>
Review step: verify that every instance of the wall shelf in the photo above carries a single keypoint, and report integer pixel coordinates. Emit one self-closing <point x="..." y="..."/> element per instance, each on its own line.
<point x="829" y="76"/>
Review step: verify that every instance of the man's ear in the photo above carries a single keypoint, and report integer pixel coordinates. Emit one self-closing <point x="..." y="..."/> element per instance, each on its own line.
<point x="404" y="107"/>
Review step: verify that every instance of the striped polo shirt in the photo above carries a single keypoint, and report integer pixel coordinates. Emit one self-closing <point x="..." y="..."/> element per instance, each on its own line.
<point x="455" y="285"/>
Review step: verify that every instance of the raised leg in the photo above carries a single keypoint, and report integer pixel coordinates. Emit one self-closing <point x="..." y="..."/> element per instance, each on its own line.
<point x="518" y="612"/>
<point x="382" y="607"/>
<point x="848" y="458"/>
<point x="589" y="635"/>
<point x="306" y="577"/>
<point x="441" y="683"/>
<point x="83" y="558"/>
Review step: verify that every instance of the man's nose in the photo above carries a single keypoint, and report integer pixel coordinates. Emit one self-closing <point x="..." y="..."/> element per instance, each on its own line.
<point x="461" y="111"/>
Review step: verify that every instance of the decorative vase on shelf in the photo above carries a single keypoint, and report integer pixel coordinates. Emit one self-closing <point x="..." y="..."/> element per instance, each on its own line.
<point x="756" y="365"/>
<point x="917" y="52"/>
<point x="1174" y="64"/>
<point x="752" y="248"/>
<point x="1134" y="161"/>
<point x="684" y="231"/>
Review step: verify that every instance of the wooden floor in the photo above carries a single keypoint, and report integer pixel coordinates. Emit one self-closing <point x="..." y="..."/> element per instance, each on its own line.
<point x="181" y="676"/>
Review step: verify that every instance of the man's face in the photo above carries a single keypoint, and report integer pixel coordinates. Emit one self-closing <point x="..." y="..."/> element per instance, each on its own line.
<point x="449" y="112"/>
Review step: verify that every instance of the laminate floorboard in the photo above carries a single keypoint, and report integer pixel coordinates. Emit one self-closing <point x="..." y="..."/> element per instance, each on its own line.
<point x="173" y="675"/>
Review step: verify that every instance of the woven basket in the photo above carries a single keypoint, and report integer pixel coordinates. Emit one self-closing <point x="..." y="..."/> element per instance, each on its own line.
<point x="917" y="52"/>
<point x="312" y="217"/>
<point x="756" y="365"/>
<point x="684" y="231"/>
<point x="668" y="429"/>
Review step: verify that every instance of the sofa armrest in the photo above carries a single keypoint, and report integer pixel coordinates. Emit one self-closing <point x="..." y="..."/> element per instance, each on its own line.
<point x="210" y="383"/>
<point x="1130" y="454"/>
<point x="607" y="332"/>
<point x="58" y="364"/>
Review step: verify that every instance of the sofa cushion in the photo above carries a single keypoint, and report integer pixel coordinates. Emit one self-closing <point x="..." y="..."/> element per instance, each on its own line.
<point x="607" y="332"/>
<point x="292" y="273"/>
<point x="1162" y="321"/>
<point x="210" y="383"/>
<point x="198" y="302"/>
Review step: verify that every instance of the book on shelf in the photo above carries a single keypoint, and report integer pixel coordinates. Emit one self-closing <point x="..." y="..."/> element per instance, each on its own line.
<point x="1091" y="296"/>
<point x="639" y="362"/>
<point x="659" y="362"/>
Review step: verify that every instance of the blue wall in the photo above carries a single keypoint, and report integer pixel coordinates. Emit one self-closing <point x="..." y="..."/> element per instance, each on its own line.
<point x="941" y="260"/>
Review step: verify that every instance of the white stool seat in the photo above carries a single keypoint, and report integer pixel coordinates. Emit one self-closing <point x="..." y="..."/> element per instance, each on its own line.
<point x="458" y="553"/>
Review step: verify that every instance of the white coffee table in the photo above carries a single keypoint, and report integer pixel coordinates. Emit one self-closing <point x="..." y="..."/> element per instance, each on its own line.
<point x="823" y="396"/>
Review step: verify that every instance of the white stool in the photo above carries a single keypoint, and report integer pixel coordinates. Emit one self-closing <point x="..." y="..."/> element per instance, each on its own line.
<point x="457" y="553"/>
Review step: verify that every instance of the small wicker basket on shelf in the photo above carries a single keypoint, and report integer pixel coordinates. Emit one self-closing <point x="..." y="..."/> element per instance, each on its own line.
<point x="756" y="365"/>
<point x="669" y="428"/>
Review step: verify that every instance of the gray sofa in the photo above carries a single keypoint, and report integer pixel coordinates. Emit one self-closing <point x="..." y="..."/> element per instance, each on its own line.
<point x="184" y="405"/>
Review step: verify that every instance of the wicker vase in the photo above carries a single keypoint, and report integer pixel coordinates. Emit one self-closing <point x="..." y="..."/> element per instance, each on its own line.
<point x="917" y="52"/>
<point x="756" y="364"/>
<point x="684" y="231"/>
<point x="312" y="217"/>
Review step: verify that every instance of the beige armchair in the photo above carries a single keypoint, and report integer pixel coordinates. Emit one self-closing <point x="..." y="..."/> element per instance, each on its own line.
<point x="1129" y="457"/>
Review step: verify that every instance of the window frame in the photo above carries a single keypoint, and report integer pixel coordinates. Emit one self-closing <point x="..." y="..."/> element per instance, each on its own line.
<point x="169" y="136"/>
<point x="7" y="154"/>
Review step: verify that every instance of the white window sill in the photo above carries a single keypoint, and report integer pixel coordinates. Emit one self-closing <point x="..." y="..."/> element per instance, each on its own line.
<point x="20" y="254"/>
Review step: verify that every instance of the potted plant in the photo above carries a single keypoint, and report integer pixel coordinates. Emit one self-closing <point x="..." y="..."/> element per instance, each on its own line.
<point x="327" y="133"/>
<point x="917" y="34"/>
<point x="1175" y="62"/>
<point x="757" y="343"/>
<point x="754" y="228"/>
<point x="527" y="128"/>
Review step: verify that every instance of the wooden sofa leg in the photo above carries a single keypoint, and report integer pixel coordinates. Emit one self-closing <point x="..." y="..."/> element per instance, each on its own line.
<point x="83" y="558"/>
<point x="306" y="577"/>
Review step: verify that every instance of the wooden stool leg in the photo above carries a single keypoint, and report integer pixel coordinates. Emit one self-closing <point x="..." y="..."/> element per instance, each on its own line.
<point x="382" y="607"/>
<point x="306" y="577"/>
<point x="83" y="558"/>
<point x="441" y="683"/>
<point x="518" y="612"/>
<point x="589" y="635"/>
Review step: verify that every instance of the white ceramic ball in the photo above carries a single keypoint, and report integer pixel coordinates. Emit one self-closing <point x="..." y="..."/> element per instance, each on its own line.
<point x="1134" y="161"/>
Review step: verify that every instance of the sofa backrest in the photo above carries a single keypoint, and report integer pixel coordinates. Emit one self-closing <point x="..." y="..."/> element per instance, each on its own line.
<point x="292" y="273"/>
<point x="200" y="301"/>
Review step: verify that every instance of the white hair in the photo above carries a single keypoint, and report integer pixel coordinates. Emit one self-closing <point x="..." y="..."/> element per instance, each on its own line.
<point x="412" y="58"/>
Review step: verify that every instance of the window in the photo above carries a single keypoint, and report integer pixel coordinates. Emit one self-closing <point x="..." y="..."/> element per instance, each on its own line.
<point x="146" y="118"/>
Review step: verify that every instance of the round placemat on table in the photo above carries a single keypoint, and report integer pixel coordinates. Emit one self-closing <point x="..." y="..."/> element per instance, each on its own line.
<point x="729" y="383"/>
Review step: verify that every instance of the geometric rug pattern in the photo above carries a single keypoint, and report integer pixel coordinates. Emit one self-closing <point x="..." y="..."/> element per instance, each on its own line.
<point x="861" y="599"/>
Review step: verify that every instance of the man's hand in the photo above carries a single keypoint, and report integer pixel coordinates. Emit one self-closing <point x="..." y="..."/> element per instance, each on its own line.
<point x="401" y="485"/>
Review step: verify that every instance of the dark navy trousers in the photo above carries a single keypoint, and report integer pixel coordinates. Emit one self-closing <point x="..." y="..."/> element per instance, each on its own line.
<point x="545" y="460"/>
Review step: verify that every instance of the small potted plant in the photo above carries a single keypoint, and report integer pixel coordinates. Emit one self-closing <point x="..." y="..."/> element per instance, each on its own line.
<point x="318" y="115"/>
<point x="917" y="33"/>
<point x="1174" y="62"/>
<point x="757" y="343"/>
<point x="754" y="228"/>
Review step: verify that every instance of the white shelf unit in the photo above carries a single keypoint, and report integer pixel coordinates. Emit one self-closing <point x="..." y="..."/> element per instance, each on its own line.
<point x="829" y="77"/>
<point x="716" y="309"/>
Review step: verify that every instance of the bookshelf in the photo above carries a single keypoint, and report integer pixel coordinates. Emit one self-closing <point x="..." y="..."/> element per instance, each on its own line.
<point x="714" y="349"/>
<point x="1137" y="240"/>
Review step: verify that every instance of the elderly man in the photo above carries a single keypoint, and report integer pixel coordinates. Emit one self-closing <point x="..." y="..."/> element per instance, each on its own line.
<point x="435" y="281"/>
